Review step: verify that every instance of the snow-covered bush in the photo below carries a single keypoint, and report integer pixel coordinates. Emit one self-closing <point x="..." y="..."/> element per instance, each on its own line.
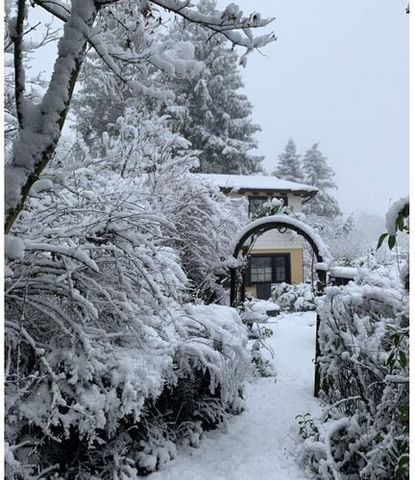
<point x="253" y="315"/>
<point x="397" y="220"/>
<point x="294" y="297"/>
<point x="204" y="220"/>
<point x="262" y="366"/>
<point x="363" y="336"/>
<point x="99" y="262"/>
<point x="98" y="331"/>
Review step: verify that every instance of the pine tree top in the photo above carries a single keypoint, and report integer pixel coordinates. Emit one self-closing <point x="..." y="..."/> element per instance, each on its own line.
<point x="319" y="174"/>
<point x="289" y="164"/>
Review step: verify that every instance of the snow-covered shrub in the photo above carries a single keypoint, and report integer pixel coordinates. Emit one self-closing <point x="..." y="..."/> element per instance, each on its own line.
<point x="254" y="316"/>
<point x="294" y="297"/>
<point x="262" y="367"/>
<point x="98" y="331"/>
<point x="397" y="220"/>
<point x="363" y="336"/>
<point x="273" y="206"/>
<point x="204" y="220"/>
<point x="344" y="240"/>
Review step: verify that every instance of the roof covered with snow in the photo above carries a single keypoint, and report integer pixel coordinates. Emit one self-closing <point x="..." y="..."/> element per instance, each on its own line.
<point x="241" y="183"/>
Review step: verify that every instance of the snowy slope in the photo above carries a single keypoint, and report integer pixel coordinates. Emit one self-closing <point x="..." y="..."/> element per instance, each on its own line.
<point x="258" y="444"/>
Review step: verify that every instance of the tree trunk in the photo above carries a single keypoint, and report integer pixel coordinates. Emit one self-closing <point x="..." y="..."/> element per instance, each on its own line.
<point x="42" y="127"/>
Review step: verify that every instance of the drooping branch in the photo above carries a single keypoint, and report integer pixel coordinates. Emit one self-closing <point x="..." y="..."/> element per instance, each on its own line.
<point x="229" y="23"/>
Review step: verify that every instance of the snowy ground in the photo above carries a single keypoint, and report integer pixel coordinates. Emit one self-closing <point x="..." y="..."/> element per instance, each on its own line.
<point x="258" y="444"/>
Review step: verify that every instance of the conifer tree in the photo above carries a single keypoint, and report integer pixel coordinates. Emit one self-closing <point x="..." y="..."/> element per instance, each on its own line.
<point x="210" y="110"/>
<point x="289" y="164"/>
<point x="318" y="174"/>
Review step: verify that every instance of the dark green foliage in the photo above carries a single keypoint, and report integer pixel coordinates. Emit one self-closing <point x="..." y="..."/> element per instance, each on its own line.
<point x="401" y="225"/>
<point x="210" y="109"/>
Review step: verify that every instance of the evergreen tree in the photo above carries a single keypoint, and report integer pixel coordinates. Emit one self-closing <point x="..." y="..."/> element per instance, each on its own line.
<point x="210" y="110"/>
<point x="94" y="113"/>
<point x="318" y="174"/>
<point x="289" y="164"/>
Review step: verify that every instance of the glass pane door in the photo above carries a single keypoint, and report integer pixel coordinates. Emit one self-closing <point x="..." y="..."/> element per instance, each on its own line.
<point x="281" y="269"/>
<point x="261" y="269"/>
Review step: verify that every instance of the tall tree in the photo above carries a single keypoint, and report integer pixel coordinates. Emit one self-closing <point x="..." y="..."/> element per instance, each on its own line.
<point x="319" y="174"/>
<point x="210" y="109"/>
<point x="289" y="164"/>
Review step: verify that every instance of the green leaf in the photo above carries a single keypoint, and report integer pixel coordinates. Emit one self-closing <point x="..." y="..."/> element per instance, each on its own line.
<point x="391" y="241"/>
<point x="390" y="359"/>
<point x="402" y="359"/>
<point x="381" y="238"/>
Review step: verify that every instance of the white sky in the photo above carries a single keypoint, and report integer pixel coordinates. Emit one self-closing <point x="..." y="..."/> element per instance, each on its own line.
<point x="338" y="75"/>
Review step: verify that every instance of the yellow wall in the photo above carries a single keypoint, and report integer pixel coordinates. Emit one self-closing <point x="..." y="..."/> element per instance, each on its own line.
<point x="296" y="261"/>
<point x="297" y="271"/>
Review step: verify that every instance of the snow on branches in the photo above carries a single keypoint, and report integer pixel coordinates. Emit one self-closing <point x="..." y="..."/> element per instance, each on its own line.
<point x="98" y="330"/>
<point x="364" y="342"/>
<point x="105" y="249"/>
<point x="120" y="34"/>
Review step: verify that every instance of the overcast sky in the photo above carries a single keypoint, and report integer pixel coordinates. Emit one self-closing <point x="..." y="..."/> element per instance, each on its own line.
<point x="337" y="75"/>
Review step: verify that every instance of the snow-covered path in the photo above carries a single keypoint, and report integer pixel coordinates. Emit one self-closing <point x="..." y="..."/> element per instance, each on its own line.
<point x="257" y="444"/>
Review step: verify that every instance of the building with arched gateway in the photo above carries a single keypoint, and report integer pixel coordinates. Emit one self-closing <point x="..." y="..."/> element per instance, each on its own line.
<point x="275" y="256"/>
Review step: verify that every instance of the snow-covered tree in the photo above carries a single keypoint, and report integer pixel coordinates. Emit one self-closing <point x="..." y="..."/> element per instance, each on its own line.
<point x="94" y="114"/>
<point x="319" y="174"/>
<point x="289" y="165"/>
<point x="118" y="32"/>
<point x="210" y="109"/>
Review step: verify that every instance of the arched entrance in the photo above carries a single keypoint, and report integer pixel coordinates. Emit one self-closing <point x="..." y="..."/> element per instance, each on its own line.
<point x="281" y="223"/>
